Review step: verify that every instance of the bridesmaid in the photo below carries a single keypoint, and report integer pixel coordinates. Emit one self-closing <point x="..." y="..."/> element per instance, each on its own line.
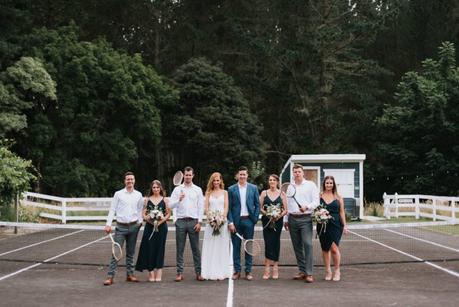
<point x="151" y="252"/>
<point x="331" y="235"/>
<point x="272" y="232"/>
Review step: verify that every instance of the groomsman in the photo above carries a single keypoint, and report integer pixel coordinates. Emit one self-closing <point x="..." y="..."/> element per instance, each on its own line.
<point x="299" y="222"/>
<point x="188" y="200"/>
<point x="244" y="208"/>
<point x="127" y="204"/>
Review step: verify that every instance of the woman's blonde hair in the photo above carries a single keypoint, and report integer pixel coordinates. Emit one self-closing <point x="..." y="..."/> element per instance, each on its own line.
<point x="210" y="184"/>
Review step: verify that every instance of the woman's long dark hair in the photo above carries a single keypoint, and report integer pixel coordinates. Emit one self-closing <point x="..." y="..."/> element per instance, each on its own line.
<point x="334" y="190"/>
<point x="161" y="190"/>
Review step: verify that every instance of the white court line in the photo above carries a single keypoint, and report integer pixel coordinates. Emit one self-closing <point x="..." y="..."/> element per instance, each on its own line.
<point x="451" y="272"/>
<point x="229" y="297"/>
<point x="422" y="240"/>
<point x="41" y="242"/>
<point x="49" y="259"/>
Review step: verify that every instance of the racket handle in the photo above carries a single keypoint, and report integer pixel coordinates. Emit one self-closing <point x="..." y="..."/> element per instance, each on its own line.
<point x="240" y="237"/>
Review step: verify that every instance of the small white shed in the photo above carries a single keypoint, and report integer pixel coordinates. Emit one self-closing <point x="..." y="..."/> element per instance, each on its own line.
<point x="346" y="168"/>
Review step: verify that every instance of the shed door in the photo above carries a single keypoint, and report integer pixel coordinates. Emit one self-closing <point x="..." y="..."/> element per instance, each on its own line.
<point x="312" y="173"/>
<point x="344" y="179"/>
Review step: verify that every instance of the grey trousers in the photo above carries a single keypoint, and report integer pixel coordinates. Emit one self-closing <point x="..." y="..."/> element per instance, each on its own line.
<point x="128" y="234"/>
<point x="301" y="235"/>
<point x="182" y="228"/>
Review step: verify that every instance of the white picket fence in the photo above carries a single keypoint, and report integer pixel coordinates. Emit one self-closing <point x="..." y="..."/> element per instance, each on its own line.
<point x="429" y="206"/>
<point x="67" y="209"/>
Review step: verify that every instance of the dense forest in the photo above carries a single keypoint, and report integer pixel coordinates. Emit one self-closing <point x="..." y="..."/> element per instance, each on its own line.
<point x="91" y="89"/>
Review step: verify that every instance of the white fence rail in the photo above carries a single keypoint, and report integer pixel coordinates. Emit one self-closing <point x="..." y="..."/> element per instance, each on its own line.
<point x="67" y="209"/>
<point x="429" y="206"/>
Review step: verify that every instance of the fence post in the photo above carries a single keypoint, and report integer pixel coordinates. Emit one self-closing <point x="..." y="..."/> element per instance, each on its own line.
<point x="434" y="202"/>
<point x="64" y="212"/>
<point x="396" y="204"/>
<point x="453" y="212"/>
<point x="16" y="209"/>
<point x="386" y="206"/>
<point x="416" y="208"/>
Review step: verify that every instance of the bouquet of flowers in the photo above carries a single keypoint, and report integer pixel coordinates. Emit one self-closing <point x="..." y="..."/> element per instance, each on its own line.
<point x="273" y="212"/>
<point x="156" y="215"/>
<point x="216" y="219"/>
<point x="322" y="216"/>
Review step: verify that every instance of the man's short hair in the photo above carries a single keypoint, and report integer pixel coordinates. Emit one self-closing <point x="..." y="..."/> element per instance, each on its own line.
<point x="128" y="174"/>
<point x="243" y="168"/>
<point x="188" y="169"/>
<point x="296" y="165"/>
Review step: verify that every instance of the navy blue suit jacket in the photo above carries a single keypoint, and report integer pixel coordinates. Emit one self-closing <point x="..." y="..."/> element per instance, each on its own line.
<point x="252" y="201"/>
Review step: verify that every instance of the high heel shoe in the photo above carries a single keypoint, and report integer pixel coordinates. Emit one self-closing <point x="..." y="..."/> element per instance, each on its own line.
<point x="275" y="272"/>
<point x="266" y="273"/>
<point x="328" y="275"/>
<point x="337" y="276"/>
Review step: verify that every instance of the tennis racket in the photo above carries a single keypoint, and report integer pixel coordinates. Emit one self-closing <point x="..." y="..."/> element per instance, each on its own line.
<point x="117" y="252"/>
<point x="290" y="191"/>
<point x="251" y="247"/>
<point x="178" y="178"/>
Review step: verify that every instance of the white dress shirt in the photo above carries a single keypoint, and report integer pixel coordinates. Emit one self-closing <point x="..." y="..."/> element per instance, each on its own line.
<point x="127" y="206"/>
<point x="307" y="196"/>
<point x="192" y="205"/>
<point x="243" y="195"/>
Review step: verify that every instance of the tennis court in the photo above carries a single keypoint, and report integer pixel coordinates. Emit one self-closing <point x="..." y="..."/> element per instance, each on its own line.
<point x="382" y="265"/>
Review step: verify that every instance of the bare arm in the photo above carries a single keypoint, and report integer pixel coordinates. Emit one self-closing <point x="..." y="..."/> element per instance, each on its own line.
<point x="168" y="212"/>
<point x="284" y="205"/>
<point x="342" y="214"/>
<point x="206" y="203"/>
<point x="145" y="216"/>
<point x="225" y="208"/>
<point x="262" y="199"/>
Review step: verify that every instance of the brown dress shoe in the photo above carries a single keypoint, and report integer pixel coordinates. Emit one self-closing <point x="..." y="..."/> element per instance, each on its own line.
<point x="132" y="278"/>
<point x="199" y="277"/>
<point x="108" y="281"/>
<point x="179" y="277"/>
<point x="248" y="276"/>
<point x="299" y="276"/>
<point x="236" y="275"/>
<point x="309" y="279"/>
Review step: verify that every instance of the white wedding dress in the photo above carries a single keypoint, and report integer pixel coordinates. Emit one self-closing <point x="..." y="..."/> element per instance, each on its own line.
<point x="216" y="256"/>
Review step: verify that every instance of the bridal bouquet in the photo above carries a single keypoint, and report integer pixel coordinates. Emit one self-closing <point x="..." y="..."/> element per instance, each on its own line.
<point x="322" y="216"/>
<point x="156" y="215"/>
<point x="216" y="219"/>
<point x="273" y="212"/>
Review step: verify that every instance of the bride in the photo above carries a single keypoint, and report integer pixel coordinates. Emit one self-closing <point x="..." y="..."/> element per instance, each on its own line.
<point x="216" y="248"/>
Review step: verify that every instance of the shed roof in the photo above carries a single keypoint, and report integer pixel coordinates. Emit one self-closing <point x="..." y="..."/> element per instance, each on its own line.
<point x="325" y="158"/>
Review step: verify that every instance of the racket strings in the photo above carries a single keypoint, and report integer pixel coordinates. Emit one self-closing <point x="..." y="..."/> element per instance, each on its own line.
<point x="252" y="248"/>
<point x="178" y="178"/>
<point x="288" y="189"/>
<point x="117" y="251"/>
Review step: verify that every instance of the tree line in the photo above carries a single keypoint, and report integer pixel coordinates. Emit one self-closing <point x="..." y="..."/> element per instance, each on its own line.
<point x="90" y="89"/>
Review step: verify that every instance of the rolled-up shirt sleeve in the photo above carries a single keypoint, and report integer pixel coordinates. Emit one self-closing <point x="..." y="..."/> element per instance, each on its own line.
<point x="314" y="197"/>
<point x="174" y="199"/>
<point x="140" y="205"/>
<point x="200" y="205"/>
<point x="111" y="212"/>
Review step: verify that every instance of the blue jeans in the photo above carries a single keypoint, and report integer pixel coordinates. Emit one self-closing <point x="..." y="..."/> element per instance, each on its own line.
<point x="128" y="234"/>
<point x="246" y="230"/>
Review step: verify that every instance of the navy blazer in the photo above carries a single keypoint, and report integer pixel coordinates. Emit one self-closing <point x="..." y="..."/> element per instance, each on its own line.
<point x="234" y="200"/>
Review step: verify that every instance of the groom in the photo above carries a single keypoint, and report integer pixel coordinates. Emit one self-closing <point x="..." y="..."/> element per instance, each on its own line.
<point x="244" y="208"/>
